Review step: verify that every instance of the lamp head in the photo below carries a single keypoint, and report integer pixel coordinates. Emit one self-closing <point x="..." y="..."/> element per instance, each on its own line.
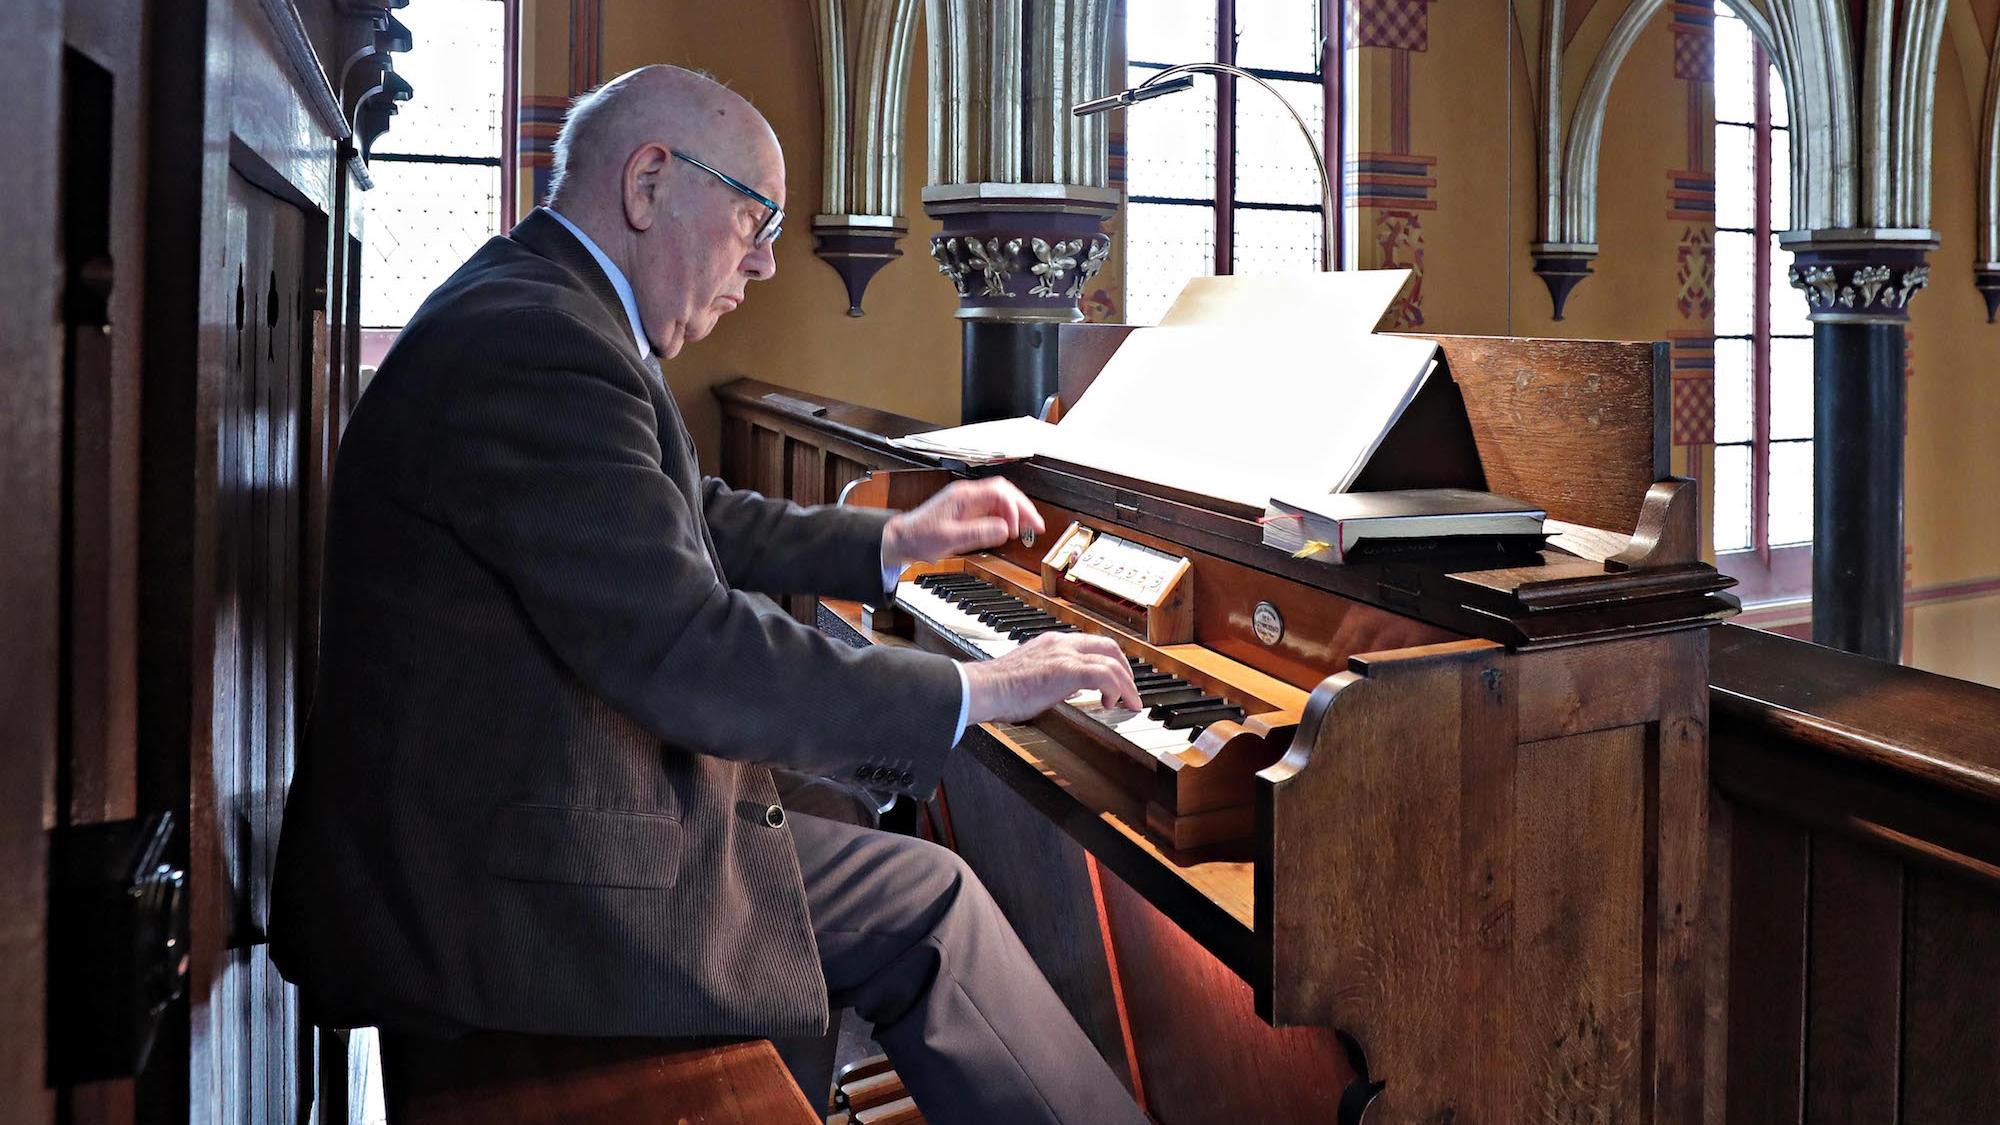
<point x="1144" y="91"/>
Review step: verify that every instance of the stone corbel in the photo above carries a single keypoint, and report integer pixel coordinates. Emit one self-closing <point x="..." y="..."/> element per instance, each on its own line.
<point x="863" y="79"/>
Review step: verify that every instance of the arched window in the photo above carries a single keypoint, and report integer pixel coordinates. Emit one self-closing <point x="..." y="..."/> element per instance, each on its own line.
<point x="1763" y="341"/>
<point x="1229" y="192"/>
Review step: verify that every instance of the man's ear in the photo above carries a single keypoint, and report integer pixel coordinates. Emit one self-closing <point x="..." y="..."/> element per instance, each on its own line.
<point x="645" y="184"/>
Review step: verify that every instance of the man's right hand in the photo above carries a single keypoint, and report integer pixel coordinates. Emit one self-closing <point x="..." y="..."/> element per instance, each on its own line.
<point x="1045" y="671"/>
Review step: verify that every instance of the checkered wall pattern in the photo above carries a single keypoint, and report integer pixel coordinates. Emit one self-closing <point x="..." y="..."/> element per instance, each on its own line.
<point x="1401" y="24"/>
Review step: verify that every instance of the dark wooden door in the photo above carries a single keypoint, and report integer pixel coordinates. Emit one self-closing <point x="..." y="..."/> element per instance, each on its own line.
<point x="245" y="1036"/>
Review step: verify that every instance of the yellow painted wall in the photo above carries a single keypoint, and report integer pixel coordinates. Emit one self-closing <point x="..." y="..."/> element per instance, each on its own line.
<point x="794" y="329"/>
<point x="1952" y="459"/>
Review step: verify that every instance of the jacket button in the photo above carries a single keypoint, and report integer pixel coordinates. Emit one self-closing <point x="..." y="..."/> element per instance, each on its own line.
<point x="775" y="816"/>
<point x="908" y="779"/>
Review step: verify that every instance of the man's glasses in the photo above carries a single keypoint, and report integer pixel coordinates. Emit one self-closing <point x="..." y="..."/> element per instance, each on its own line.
<point x="774" y="215"/>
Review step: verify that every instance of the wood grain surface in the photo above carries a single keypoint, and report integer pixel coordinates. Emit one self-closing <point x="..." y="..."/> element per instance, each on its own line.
<point x="1572" y="425"/>
<point x="31" y="452"/>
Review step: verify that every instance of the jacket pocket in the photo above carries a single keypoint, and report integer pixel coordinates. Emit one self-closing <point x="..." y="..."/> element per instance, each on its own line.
<point x="593" y="847"/>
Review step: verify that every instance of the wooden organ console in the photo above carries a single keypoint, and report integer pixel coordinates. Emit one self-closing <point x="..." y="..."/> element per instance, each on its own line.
<point x="1435" y="840"/>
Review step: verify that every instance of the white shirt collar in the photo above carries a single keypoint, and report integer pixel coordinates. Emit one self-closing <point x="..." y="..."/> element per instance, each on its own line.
<point x="618" y="282"/>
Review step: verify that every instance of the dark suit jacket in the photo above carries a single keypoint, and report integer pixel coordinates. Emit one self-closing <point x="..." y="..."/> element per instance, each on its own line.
<point x="532" y="794"/>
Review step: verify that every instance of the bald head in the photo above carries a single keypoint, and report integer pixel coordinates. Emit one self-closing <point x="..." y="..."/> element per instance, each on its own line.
<point x="683" y="109"/>
<point x="630" y="173"/>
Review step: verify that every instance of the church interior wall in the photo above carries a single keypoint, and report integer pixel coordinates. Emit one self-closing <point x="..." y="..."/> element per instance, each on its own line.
<point x="1466" y="100"/>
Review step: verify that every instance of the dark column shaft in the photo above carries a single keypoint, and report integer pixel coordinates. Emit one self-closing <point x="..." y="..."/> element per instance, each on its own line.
<point x="1858" y="488"/>
<point x="1010" y="369"/>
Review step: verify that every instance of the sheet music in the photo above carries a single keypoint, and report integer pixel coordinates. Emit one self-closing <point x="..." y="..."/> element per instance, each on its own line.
<point x="981" y="443"/>
<point x="1253" y="387"/>
<point x="1338" y="304"/>
<point x="1293" y="404"/>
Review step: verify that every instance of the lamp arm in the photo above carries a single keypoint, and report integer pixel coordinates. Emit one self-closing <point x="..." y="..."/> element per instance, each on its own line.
<point x="1326" y="213"/>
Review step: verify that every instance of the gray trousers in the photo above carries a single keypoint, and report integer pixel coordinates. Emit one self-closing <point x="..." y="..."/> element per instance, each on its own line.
<point x="912" y="942"/>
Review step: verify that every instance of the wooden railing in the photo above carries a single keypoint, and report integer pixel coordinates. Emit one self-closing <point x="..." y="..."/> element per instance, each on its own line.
<point x="1853" y="938"/>
<point x="1856" y="850"/>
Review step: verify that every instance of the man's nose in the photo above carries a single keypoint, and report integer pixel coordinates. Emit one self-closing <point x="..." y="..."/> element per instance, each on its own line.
<point x="762" y="264"/>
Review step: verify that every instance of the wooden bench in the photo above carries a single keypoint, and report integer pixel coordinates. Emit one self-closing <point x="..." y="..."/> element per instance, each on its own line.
<point x="498" y="1079"/>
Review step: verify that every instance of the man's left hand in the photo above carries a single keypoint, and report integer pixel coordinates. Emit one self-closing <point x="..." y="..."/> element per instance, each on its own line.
<point x="967" y="515"/>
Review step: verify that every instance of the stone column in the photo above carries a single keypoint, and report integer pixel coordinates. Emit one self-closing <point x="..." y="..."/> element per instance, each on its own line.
<point x="1018" y="184"/>
<point x="1858" y="285"/>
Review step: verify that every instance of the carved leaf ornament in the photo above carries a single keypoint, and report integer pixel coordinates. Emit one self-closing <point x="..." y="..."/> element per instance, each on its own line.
<point x="996" y="262"/>
<point x="1868" y="288"/>
<point x="1051" y="263"/>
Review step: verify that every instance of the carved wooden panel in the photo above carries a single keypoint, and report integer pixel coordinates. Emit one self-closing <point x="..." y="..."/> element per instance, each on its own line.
<point x="245" y="1018"/>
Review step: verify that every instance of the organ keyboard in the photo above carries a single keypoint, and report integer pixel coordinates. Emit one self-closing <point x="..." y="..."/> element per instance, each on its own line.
<point x="1209" y="724"/>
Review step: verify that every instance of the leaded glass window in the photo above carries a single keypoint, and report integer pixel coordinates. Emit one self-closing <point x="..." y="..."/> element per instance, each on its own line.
<point x="1763" y="344"/>
<point x="1217" y="178"/>
<point x="437" y="171"/>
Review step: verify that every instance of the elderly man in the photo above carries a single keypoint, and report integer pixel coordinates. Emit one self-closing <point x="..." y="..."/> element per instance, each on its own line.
<point x="534" y="792"/>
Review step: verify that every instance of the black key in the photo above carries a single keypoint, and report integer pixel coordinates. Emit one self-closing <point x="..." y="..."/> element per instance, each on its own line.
<point x="1009" y="624"/>
<point x="1139" y="667"/>
<point x="1010" y="621"/>
<point x="1179" y="720"/>
<point x="1199" y="702"/>
<point x="955" y="582"/>
<point x="1015" y="610"/>
<point x="1160" y="698"/>
<point x="1133" y="660"/>
<point x="1029" y="632"/>
<point x="1155" y="679"/>
<point x="983" y="598"/>
<point x="969" y="588"/>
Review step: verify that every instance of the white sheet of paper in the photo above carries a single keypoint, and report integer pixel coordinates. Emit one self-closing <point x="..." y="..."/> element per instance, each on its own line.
<point x="1241" y="415"/>
<point x="1337" y="304"/>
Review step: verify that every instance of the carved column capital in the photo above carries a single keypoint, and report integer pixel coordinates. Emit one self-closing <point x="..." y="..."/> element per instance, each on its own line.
<point x="1021" y="252"/>
<point x="1861" y="276"/>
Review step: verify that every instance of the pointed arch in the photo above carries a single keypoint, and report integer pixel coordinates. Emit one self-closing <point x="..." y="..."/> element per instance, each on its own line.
<point x="1819" y="93"/>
